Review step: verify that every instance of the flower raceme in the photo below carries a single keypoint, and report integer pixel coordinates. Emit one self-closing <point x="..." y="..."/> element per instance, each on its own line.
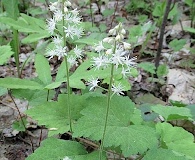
<point x="72" y="30"/>
<point x="117" y="54"/>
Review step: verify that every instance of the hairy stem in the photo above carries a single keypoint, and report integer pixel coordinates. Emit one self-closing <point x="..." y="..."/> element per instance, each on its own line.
<point x="67" y="72"/>
<point x="162" y="29"/>
<point x="108" y="107"/>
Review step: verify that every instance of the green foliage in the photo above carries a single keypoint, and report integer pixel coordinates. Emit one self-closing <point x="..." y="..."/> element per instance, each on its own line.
<point x="147" y="66"/>
<point x="161" y="153"/>
<point x="26" y="24"/>
<point x="176" y="139"/>
<point x="43" y="69"/>
<point x="54" y="115"/>
<point x="34" y="97"/>
<point x="11" y="8"/>
<point x="162" y="70"/>
<point x="16" y="83"/>
<point x="172" y="113"/>
<point x="177" y="45"/>
<point x="20" y="125"/>
<point x="119" y="119"/>
<point x="62" y="149"/>
<point x="5" y="53"/>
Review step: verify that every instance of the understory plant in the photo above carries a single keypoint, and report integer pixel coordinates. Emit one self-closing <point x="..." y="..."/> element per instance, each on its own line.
<point x="92" y="106"/>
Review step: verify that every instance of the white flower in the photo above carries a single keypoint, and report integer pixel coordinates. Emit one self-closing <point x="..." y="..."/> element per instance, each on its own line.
<point x="93" y="83"/>
<point x="66" y="158"/>
<point x="75" y="12"/>
<point x="70" y="31"/>
<point x="109" y="51"/>
<point x="117" y="89"/>
<point x="53" y="6"/>
<point x="125" y="72"/>
<point x="76" y="19"/>
<point x="72" y="61"/>
<point x="57" y="40"/>
<point x="118" y="58"/>
<point x="51" y="54"/>
<point x="58" y="15"/>
<point x="67" y="3"/>
<point x="78" y="32"/>
<point x="101" y="61"/>
<point x="99" y="47"/>
<point x="130" y="62"/>
<point x="60" y="51"/>
<point x="51" y="25"/>
<point x="78" y="52"/>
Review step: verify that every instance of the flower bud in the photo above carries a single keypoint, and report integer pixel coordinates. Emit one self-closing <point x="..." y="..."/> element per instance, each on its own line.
<point x="109" y="51"/>
<point x="119" y="37"/>
<point x="123" y="31"/>
<point x="126" y="45"/>
<point x="112" y="32"/>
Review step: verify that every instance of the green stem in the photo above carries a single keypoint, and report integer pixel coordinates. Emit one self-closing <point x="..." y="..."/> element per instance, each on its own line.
<point x="67" y="72"/>
<point x="16" y="50"/>
<point x="108" y="107"/>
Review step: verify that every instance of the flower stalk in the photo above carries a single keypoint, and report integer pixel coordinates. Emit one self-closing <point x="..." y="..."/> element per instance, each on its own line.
<point x="67" y="70"/>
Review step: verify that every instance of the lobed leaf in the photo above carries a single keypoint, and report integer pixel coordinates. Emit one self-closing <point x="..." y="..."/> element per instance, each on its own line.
<point x="54" y="115"/>
<point x="172" y="113"/>
<point x="119" y="132"/>
<point x="161" y="154"/>
<point x="176" y="139"/>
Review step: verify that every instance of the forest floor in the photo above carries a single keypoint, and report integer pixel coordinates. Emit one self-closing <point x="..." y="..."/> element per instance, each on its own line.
<point x="179" y="83"/>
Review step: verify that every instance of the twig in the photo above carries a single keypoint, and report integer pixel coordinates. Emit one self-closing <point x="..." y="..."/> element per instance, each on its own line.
<point x="20" y="115"/>
<point x="162" y="29"/>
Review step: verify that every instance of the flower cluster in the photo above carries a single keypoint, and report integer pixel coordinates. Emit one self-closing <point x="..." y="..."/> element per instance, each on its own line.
<point x="71" y="17"/>
<point x="117" y="54"/>
<point x="71" y="29"/>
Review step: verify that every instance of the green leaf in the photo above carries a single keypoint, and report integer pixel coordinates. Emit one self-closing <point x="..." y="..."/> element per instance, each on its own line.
<point x="20" y="125"/>
<point x="35" y="37"/>
<point x="172" y="113"/>
<point x="189" y="29"/>
<point x="148" y="67"/>
<point x="108" y="12"/>
<point x="54" y="115"/>
<point x="160" y="154"/>
<point x="192" y="110"/>
<point x="43" y="69"/>
<point x="176" y="139"/>
<point x="34" y="97"/>
<point x="11" y="7"/>
<point x="16" y="83"/>
<point x="3" y="91"/>
<point x="119" y="131"/>
<point x="25" y="24"/>
<point x="177" y="45"/>
<point x="162" y="70"/>
<point x="88" y="41"/>
<point x="56" y="149"/>
<point x="5" y="53"/>
<point x="61" y="72"/>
